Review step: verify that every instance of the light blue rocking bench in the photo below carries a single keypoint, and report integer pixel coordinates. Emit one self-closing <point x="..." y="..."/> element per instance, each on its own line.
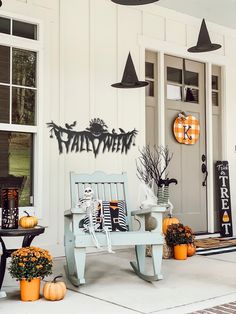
<point x="110" y="187"/>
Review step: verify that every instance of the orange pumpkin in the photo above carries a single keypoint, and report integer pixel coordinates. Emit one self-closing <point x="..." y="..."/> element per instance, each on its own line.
<point x="186" y="129"/>
<point x="191" y="250"/>
<point x="28" y="221"/>
<point x="54" y="290"/>
<point x="169" y="221"/>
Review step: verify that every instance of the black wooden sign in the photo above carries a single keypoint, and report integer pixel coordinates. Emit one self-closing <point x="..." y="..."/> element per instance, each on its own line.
<point x="223" y="198"/>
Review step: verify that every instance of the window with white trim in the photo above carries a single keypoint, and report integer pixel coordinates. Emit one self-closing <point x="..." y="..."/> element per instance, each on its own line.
<point x="18" y="106"/>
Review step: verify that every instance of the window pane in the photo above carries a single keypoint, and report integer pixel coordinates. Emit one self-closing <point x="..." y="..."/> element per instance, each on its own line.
<point x="174" y="92"/>
<point x="150" y="89"/>
<point x="191" y="95"/>
<point x="214" y="82"/>
<point x="23" y="106"/>
<point x="174" y="75"/>
<point x="215" y="99"/>
<point x="191" y="78"/>
<point x="16" y="155"/>
<point x="5" y="25"/>
<point x="149" y="70"/>
<point x="4" y="64"/>
<point x="25" y="30"/>
<point x="4" y="104"/>
<point x="24" y="67"/>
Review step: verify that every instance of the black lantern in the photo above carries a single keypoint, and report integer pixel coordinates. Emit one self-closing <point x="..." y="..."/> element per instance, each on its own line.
<point x="10" y="211"/>
<point x="134" y="2"/>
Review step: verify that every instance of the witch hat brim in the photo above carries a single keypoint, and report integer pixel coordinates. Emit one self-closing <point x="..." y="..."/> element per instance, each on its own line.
<point x="133" y="2"/>
<point x="204" y="43"/>
<point x="130" y="78"/>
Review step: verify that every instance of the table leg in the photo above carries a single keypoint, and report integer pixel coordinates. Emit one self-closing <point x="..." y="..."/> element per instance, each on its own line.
<point x="27" y="240"/>
<point x="2" y="267"/>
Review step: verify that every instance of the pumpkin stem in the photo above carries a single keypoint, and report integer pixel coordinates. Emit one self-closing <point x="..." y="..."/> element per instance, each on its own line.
<point x="28" y="215"/>
<point x="55" y="279"/>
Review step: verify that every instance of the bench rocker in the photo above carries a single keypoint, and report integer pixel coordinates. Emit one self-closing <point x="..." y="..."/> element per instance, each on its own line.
<point x="110" y="187"/>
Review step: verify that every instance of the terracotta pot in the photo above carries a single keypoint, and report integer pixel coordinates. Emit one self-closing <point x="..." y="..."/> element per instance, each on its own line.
<point x="29" y="290"/>
<point x="180" y="251"/>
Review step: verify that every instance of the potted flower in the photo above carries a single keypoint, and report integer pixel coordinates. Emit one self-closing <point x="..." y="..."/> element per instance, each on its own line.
<point x="179" y="236"/>
<point x="29" y="265"/>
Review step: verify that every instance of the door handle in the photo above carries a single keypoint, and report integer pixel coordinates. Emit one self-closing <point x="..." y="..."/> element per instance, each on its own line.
<point x="204" y="170"/>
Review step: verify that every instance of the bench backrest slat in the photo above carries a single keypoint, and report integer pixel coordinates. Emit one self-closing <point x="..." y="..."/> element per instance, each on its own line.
<point x="105" y="186"/>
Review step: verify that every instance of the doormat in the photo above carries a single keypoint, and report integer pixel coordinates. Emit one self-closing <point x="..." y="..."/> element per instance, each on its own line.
<point x="213" y="246"/>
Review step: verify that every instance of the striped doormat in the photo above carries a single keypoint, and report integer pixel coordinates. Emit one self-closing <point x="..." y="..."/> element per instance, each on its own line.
<point x="211" y="246"/>
<point x="221" y="309"/>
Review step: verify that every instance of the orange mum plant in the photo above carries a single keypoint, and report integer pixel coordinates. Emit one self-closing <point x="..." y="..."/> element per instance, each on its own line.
<point x="30" y="262"/>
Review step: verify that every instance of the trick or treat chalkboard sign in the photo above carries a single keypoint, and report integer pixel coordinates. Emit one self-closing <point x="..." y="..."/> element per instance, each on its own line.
<point x="223" y="198"/>
<point x="95" y="138"/>
<point x="186" y="129"/>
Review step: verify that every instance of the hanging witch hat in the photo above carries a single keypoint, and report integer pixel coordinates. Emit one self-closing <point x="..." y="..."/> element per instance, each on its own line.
<point x="133" y="2"/>
<point x="130" y="78"/>
<point x="204" y="43"/>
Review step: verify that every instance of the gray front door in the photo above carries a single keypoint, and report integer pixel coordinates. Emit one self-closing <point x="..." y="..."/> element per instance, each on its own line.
<point x="185" y="92"/>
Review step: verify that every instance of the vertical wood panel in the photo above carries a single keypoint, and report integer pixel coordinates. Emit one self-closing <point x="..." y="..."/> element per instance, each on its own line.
<point x="176" y="32"/>
<point x="154" y="26"/>
<point x="103" y="73"/>
<point x="75" y="79"/>
<point x="130" y="104"/>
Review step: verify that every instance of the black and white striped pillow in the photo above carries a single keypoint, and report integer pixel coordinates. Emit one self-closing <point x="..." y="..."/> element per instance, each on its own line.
<point x="114" y="213"/>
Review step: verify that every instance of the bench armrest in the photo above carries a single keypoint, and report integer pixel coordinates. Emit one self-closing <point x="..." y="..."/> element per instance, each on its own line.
<point x="155" y="209"/>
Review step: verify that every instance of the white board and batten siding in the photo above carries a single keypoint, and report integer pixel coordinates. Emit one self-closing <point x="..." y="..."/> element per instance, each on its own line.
<point x="85" y="46"/>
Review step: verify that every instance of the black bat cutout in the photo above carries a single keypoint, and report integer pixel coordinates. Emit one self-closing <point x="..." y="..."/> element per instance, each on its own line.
<point x="93" y="139"/>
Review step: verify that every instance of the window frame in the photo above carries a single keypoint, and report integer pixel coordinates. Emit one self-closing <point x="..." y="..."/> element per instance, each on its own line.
<point x="37" y="130"/>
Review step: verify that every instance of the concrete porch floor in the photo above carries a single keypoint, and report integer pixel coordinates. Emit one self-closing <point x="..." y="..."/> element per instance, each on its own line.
<point x="112" y="287"/>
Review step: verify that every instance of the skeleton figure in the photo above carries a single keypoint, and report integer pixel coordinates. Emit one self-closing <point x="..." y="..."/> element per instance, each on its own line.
<point x="90" y="206"/>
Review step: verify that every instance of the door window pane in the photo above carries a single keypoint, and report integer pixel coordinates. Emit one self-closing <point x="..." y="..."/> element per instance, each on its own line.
<point x="25" y="30"/>
<point x="5" y="25"/>
<point x="191" y="95"/>
<point x="23" y="67"/>
<point x="150" y="89"/>
<point x="149" y="70"/>
<point x="4" y="104"/>
<point x="174" y="75"/>
<point x="4" y="64"/>
<point x="16" y="155"/>
<point x="215" y="82"/>
<point x="215" y="99"/>
<point x="191" y="78"/>
<point x="23" y="106"/>
<point x="174" y="92"/>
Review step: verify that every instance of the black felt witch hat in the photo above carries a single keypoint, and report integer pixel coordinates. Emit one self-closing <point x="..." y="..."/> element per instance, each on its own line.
<point x="130" y="78"/>
<point x="133" y="2"/>
<point x="204" y="43"/>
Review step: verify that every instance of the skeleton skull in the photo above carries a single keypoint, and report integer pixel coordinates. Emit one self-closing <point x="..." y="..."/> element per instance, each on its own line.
<point x="88" y="193"/>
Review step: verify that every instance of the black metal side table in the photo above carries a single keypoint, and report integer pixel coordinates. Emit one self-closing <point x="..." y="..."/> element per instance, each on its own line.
<point x="28" y="234"/>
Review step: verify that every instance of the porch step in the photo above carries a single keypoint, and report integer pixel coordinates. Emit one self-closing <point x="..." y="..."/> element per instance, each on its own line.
<point x="199" y="236"/>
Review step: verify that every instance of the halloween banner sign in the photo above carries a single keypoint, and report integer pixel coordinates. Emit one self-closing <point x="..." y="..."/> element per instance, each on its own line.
<point x="93" y="139"/>
<point x="223" y="198"/>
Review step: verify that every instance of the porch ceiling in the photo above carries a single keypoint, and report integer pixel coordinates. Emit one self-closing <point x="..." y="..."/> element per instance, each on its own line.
<point x="218" y="11"/>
